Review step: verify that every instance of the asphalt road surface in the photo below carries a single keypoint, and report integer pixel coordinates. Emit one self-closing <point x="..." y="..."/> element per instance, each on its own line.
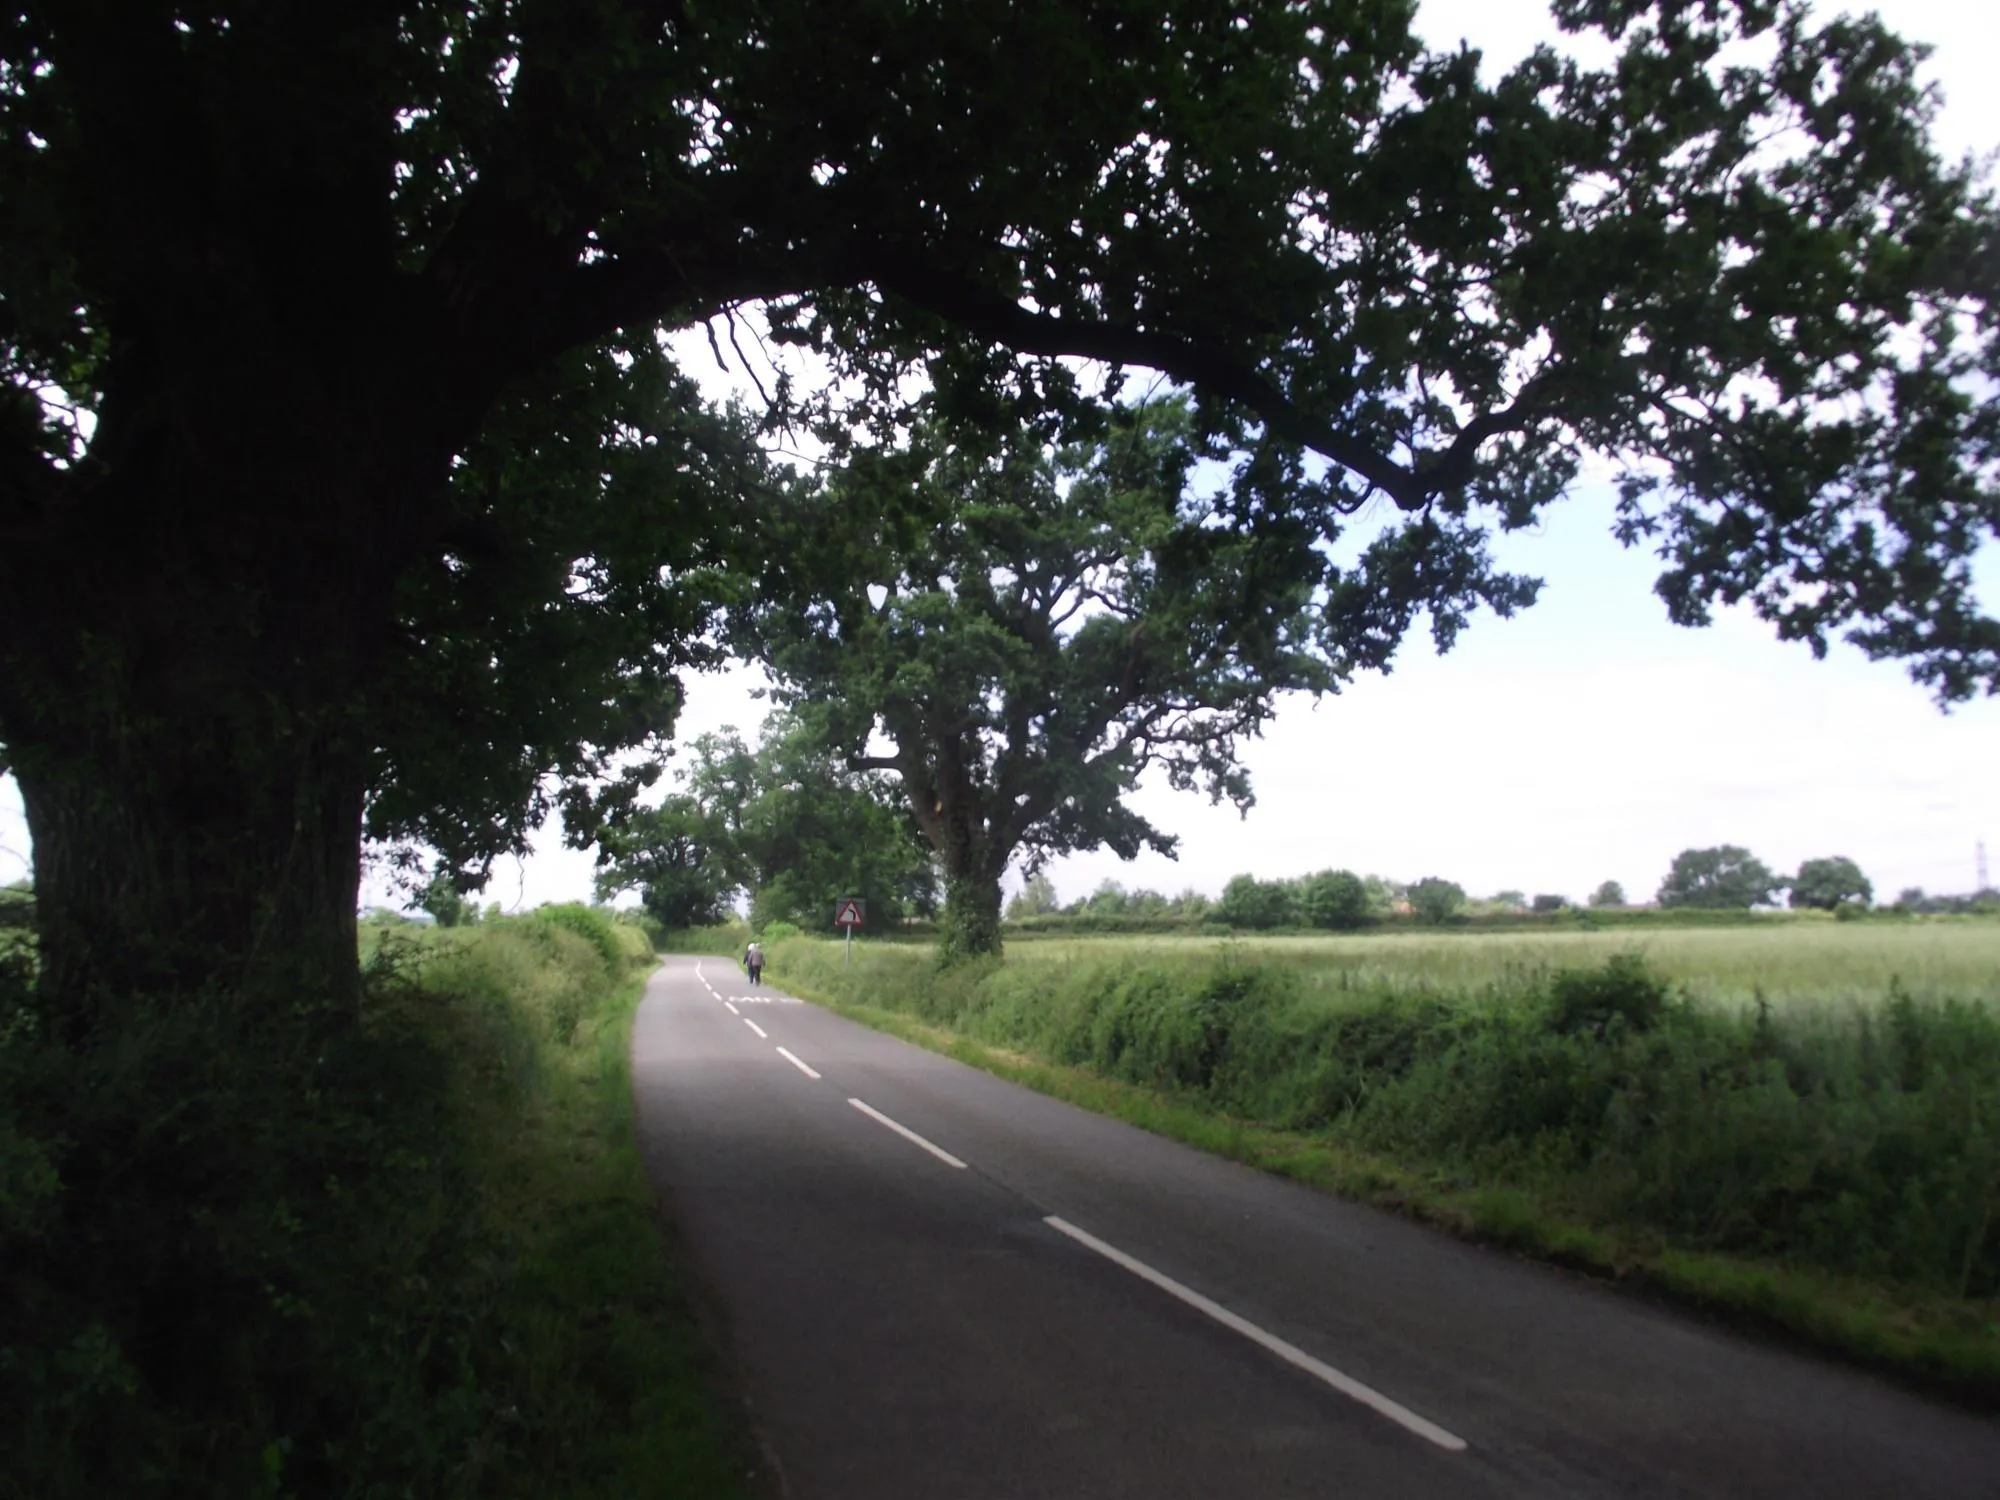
<point x="940" y="1286"/>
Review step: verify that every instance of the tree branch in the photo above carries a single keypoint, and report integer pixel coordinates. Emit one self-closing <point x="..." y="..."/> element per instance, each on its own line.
<point x="979" y="310"/>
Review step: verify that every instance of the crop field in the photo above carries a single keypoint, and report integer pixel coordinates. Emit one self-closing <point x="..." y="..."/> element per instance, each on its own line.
<point x="1788" y="961"/>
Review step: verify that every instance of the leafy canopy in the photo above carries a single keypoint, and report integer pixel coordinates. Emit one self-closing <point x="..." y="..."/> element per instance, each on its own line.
<point x="788" y="822"/>
<point x="1723" y="877"/>
<point x="1830" y="883"/>
<point x="1019" y="634"/>
<point x="426" y="251"/>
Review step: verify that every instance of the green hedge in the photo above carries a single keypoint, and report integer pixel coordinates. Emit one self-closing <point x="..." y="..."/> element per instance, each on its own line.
<point x="1863" y="1143"/>
<point x="279" y="1251"/>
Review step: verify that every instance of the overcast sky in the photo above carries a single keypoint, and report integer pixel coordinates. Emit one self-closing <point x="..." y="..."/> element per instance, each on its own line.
<point x="1585" y="740"/>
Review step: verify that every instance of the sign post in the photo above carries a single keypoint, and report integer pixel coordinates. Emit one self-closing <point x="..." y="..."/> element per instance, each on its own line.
<point x="848" y="913"/>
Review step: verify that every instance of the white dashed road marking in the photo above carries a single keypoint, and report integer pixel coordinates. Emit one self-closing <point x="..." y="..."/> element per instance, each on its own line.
<point x="794" y="1061"/>
<point x="732" y="1009"/>
<point x="1291" y="1354"/>
<point x="908" y="1134"/>
<point x="756" y="1028"/>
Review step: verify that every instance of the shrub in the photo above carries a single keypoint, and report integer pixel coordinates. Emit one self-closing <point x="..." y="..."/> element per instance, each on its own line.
<point x="621" y="944"/>
<point x="1831" y="883"/>
<point x="1333" y="899"/>
<point x="1436" y="901"/>
<point x="1588" y="1000"/>
<point x="1255" y="904"/>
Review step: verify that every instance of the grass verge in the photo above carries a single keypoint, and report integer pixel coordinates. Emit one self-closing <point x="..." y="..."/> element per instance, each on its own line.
<point x="1948" y="1346"/>
<point x="613" y="1378"/>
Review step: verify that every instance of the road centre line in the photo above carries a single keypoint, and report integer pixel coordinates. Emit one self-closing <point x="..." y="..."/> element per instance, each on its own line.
<point x="907" y="1134"/>
<point x="794" y="1061"/>
<point x="756" y="1028"/>
<point x="1347" y="1385"/>
<point x="732" y="1009"/>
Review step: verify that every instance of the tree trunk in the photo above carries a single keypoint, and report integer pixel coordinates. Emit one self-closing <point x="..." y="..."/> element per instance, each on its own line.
<point x="188" y="704"/>
<point x="971" y="924"/>
<point x="167" y="868"/>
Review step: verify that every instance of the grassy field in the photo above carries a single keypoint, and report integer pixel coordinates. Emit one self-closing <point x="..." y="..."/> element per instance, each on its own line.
<point x="1818" y="963"/>
<point x="1796" y="1122"/>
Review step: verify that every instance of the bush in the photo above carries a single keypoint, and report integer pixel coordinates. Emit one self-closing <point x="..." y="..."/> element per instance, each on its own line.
<point x="1866" y="1145"/>
<point x="1333" y="899"/>
<point x="1436" y="901"/>
<point x="1256" y="904"/>
<point x="620" y="943"/>
<point x="258" y="1251"/>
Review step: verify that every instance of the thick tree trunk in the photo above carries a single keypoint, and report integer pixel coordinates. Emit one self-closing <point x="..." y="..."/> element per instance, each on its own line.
<point x="166" y="868"/>
<point x="971" y="924"/>
<point x="188" y="706"/>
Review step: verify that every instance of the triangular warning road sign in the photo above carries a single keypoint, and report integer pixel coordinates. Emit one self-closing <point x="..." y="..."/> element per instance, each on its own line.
<point x="847" y="914"/>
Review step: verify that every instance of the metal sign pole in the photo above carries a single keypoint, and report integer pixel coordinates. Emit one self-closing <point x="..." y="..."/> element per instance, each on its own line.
<point x="847" y="950"/>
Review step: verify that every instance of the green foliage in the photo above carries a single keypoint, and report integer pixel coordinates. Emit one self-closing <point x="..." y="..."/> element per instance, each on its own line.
<point x="1036" y="898"/>
<point x="1829" y="884"/>
<point x="1031" y="630"/>
<point x="676" y="856"/>
<point x="1725" y="876"/>
<point x="1333" y="899"/>
<point x="1863" y="1143"/>
<point x="446" y="905"/>
<point x="253" y="1253"/>
<point x="1611" y="893"/>
<point x="1254" y="904"/>
<point x="800" y="829"/>
<point x="1549" y="903"/>
<point x="1436" y="900"/>
<point x="777" y="932"/>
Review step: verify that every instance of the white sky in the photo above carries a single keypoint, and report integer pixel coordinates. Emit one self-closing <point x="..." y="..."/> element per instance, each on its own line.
<point x="1585" y="740"/>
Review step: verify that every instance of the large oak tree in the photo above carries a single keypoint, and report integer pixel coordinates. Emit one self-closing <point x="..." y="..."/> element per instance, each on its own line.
<point x="1020" y="634"/>
<point x="280" y="281"/>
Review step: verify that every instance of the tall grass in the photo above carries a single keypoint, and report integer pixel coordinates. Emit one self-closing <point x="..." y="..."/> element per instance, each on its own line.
<point x="285" y="1254"/>
<point x="1805" y="958"/>
<point x="1856" y="1135"/>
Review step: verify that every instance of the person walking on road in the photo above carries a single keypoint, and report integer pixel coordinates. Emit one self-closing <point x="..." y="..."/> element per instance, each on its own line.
<point x="753" y="961"/>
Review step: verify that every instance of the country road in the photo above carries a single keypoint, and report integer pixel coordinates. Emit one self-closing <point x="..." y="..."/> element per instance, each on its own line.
<point x="940" y="1286"/>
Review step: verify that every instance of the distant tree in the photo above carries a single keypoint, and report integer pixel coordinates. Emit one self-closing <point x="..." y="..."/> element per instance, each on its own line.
<point x="1510" y="900"/>
<point x="1550" y="903"/>
<point x="675" y="856"/>
<point x="1611" y="893"/>
<point x="447" y="905"/>
<point x="1436" y="900"/>
<point x="1191" y="906"/>
<point x="1828" y="883"/>
<point x="1383" y="894"/>
<point x="1333" y="899"/>
<point x="1108" y="900"/>
<point x="1720" y="878"/>
<point x="803" y="829"/>
<point x="1037" y="898"/>
<point x="1018" y="632"/>
<point x="1256" y="904"/>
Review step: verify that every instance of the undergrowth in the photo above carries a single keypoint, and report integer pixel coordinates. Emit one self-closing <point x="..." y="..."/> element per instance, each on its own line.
<point x="1856" y="1147"/>
<point x="258" y="1252"/>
